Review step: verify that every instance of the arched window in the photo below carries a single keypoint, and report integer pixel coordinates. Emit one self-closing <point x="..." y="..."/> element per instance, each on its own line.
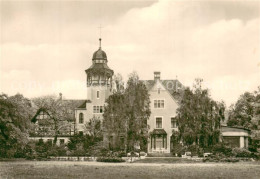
<point x="81" y="118"/>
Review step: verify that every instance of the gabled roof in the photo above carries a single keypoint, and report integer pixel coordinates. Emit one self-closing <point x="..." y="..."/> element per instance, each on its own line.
<point x="74" y="103"/>
<point x="174" y="87"/>
<point x="71" y="103"/>
<point x="83" y="105"/>
<point x="34" y="119"/>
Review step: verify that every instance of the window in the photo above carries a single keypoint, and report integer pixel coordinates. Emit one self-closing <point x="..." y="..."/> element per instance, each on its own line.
<point x="173" y="122"/>
<point x="42" y="115"/>
<point x="61" y="141"/>
<point x="98" y="94"/>
<point x="81" y="133"/>
<point x="49" y="141"/>
<point x="81" y="118"/>
<point x="158" y="122"/>
<point x="159" y="90"/>
<point x="158" y="103"/>
<point x="98" y="109"/>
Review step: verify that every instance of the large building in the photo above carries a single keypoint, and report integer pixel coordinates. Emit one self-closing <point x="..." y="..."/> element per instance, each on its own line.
<point x="165" y="96"/>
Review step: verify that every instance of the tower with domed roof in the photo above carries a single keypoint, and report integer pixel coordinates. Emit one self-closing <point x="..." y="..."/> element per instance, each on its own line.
<point x="99" y="88"/>
<point x="99" y="77"/>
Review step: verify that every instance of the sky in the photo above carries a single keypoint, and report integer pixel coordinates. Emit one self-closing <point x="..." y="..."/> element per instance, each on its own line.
<point x="45" y="46"/>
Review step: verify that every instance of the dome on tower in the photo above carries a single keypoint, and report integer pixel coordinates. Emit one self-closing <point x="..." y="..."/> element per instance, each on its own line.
<point x="99" y="64"/>
<point x="99" y="54"/>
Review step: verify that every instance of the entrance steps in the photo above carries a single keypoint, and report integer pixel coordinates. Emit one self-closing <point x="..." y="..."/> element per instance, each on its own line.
<point x="160" y="155"/>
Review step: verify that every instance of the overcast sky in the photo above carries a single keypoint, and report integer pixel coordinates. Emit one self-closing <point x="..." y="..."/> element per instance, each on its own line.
<point x="46" y="46"/>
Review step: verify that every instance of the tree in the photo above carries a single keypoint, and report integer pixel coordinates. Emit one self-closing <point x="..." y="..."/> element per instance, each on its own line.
<point x="15" y="114"/>
<point x="118" y="83"/>
<point x="199" y="117"/>
<point x="257" y="102"/>
<point x="137" y="111"/>
<point x="93" y="128"/>
<point x="82" y="144"/>
<point x="115" y="117"/>
<point x="127" y="112"/>
<point x="241" y="114"/>
<point x="59" y="112"/>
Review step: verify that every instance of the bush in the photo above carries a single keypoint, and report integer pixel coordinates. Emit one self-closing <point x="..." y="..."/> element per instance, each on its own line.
<point x="178" y="149"/>
<point x="120" y="154"/>
<point x="134" y="154"/>
<point x="110" y="159"/>
<point x="222" y="149"/>
<point x="99" y="150"/>
<point x="240" y="152"/>
<point x="220" y="158"/>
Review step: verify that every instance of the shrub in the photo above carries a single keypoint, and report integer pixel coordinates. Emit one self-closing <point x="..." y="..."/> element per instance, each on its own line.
<point x="223" y="149"/>
<point x="120" y="154"/>
<point x="220" y="158"/>
<point x="133" y="154"/>
<point x="99" y="150"/>
<point x="178" y="149"/>
<point x="240" y="152"/>
<point x="110" y="159"/>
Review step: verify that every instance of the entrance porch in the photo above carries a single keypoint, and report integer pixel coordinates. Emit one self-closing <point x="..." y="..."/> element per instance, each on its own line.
<point x="158" y="141"/>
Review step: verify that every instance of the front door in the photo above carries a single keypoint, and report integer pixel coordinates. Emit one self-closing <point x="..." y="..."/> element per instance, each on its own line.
<point x="159" y="143"/>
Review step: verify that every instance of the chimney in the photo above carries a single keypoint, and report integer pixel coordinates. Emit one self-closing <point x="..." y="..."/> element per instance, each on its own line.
<point x="157" y="75"/>
<point x="60" y="96"/>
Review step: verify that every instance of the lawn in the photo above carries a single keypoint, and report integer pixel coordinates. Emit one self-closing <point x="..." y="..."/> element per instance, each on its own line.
<point x="66" y="169"/>
<point x="162" y="160"/>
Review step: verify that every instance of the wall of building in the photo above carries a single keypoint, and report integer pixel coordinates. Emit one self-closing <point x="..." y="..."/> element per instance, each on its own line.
<point x="169" y="111"/>
<point x="104" y="93"/>
<point x="88" y="112"/>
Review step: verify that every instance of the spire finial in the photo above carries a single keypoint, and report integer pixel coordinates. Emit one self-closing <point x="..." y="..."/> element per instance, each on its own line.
<point x="100" y="42"/>
<point x="100" y="35"/>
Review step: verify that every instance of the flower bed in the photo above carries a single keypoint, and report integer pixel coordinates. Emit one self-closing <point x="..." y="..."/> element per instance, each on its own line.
<point x="110" y="159"/>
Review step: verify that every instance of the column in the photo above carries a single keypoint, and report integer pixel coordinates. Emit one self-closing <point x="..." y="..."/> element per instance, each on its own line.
<point x="242" y="142"/>
<point x="154" y="141"/>
<point x="166" y="141"/>
<point x="163" y="141"/>
<point x="151" y="141"/>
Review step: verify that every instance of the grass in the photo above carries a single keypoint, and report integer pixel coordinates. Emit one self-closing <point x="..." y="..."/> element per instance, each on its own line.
<point x="162" y="160"/>
<point x="54" y="169"/>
